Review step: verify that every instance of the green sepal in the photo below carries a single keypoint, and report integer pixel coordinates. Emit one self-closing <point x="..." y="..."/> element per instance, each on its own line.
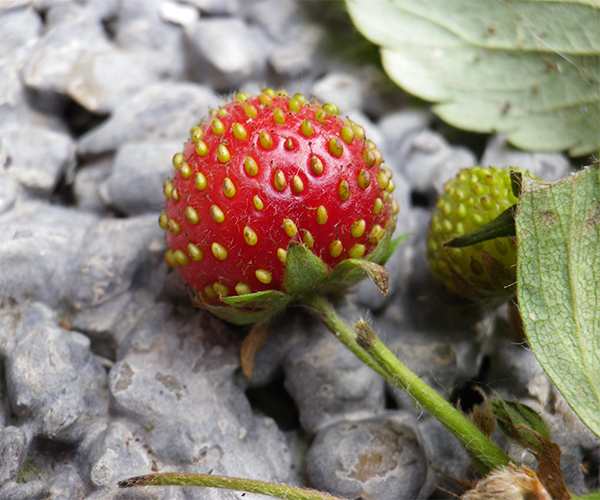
<point x="385" y="248"/>
<point x="268" y="298"/>
<point x="350" y="271"/>
<point x="346" y="274"/>
<point x="521" y="424"/>
<point x="377" y="273"/>
<point x="391" y="248"/>
<point x="249" y="308"/>
<point x="304" y="271"/>
<point x="501" y="226"/>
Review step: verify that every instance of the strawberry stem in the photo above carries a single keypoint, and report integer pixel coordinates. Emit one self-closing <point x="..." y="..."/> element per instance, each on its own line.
<point x="322" y="309"/>
<point x="368" y="348"/>
<point x="224" y="482"/>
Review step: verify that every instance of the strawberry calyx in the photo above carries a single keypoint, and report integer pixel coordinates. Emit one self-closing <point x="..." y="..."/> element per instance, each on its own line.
<point x="307" y="274"/>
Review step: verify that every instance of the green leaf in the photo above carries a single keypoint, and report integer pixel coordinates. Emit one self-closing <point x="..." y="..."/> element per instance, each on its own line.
<point x="558" y="229"/>
<point x="304" y="271"/>
<point x="501" y="226"/>
<point x="527" y="68"/>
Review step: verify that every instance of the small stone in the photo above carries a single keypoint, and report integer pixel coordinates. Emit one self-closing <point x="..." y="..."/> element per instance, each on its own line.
<point x="49" y="68"/>
<point x="399" y="266"/>
<point x="273" y="16"/>
<point x="33" y="490"/>
<point x="13" y="444"/>
<point x="66" y="480"/>
<point x="177" y="13"/>
<point x="514" y="372"/>
<point x="121" y="252"/>
<point x="86" y="186"/>
<point x="344" y="89"/>
<point x="226" y="52"/>
<point x="446" y="455"/>
<point x="430" y="162"/>
<point x="20" y="27"/>
<point x="217" y="7"/>
<point x="270" y="358"/>
<point x="397" y="129"/>
<point x="135" y="184"/>
<point x="99" y="259"/>
<point x="75" y="58"/>
<point x="120" y="454"/>
<point x="62" y="478"/>
<point x="328" y="383"/>
<point x="93" y="11"/>
<point x="416" y="279"/>
<point x="8" y="193"/>
<point x="156" y="27"/>
<point x="580" y="458"/>
<point x="100" y="81"/>
<point x="22" y="108"/>
<point x="380" y="457"/>
<point x="20" y="152"/>
<point x="52" y="377"/>
<point x="112" y="320"/>
<point x="179" y="369"/>
<point x="295" y="56"/>
<point x="15" y="4"/>
<point x="144" y="115"/>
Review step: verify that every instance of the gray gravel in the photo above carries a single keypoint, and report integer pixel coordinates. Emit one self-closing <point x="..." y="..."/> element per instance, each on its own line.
<point x="328" y="383"/>
<point x="22" y="162"/>
<point x="165" y="111"/>
<point x="382" y="456"/>
<point x="107" y="369"/>
<point x="144" y="164"/>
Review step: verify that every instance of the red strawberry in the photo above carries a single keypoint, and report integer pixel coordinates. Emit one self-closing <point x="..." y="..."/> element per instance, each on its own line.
<point x="265" y="172"/>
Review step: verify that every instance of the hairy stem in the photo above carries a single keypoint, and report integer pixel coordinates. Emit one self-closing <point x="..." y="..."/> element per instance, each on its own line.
<point x="224" y="482"/>
<point x="486" y="455"/>
<point x="322" y="309"/>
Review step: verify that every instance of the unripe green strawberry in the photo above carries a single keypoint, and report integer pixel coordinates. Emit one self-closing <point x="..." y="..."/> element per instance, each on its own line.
<point x="474" y="197"/>
<point x="264" y="175"/>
